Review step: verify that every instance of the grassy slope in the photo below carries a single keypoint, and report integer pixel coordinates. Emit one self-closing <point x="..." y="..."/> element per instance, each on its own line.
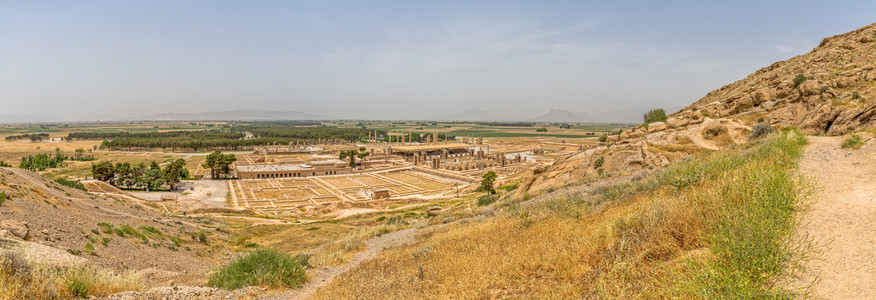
<point x="716" y="227"/>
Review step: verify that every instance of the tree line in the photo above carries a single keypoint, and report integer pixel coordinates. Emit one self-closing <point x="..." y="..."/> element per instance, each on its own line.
<point x="29" y="136"/>
<point x="232" y="138"/>
<point x="140" y="176"/>
<point x="191" y="134"/>
<point x="43" y="161"/>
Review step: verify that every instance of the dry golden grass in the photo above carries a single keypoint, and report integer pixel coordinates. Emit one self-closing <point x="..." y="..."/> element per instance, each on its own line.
<point x="342" y="249"/>
<point x="22" y="280"/>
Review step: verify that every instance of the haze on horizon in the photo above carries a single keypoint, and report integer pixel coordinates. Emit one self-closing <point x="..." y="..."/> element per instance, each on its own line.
<point x="106" y="60"/>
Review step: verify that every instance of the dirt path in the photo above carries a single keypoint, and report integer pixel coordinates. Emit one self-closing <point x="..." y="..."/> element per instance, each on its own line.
<point x="843" y="219"/>
<point x="374" y="246"/>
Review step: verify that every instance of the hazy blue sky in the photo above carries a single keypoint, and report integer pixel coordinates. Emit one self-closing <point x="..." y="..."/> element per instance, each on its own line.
<point x="393" y="59"/>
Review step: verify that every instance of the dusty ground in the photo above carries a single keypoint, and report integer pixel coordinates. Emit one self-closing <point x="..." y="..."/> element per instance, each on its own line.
<point x="842" y="219"/>
<point x="203" y="193"/>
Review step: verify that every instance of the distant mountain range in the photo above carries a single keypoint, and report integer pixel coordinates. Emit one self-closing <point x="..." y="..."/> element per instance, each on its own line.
<point x="241" y="114"/>
<point x="559" y="115"/>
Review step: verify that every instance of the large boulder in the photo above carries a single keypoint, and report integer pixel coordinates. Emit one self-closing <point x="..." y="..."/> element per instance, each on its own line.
<point x="676" y="122"/>
<point x="844" y="82"/>
<point x="16" y="228"/>
<point x="809" y="87"/>
<point x="761" y="95"/>
<point x="713" y="129"/>
<point x="656" y="126"/>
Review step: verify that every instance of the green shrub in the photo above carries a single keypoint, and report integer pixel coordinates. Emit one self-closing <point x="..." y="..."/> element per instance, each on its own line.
<point x="541" y="130"/>
<point x="151" y="230"/>
<point x="79" y="288"/>
<point x="856" y="95"/>
<point x="760" y="129"/>
<point x="397" y="220"/>
<point x="2" y="197"/>
<point x="598" y="162"/>
<point x="202" y="238"/>
<point x="72" y="183"/>
<point x="106" y="227"/>
<point x="263" y="267"/>
<point x="510" y="187"/>
<point x="853" y="142"/>
<point x="487" y="199"/>
<point x="655" y="115"/>
<point x="126" y="230"/>
<point x="603" y="138"/>
<point x="88" y="249"/>
<point x="799" y="79"/>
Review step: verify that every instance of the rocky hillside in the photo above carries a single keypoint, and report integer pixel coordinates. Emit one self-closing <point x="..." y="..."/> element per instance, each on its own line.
<point x="65" y="225"/>
<point x="830" y="90"/>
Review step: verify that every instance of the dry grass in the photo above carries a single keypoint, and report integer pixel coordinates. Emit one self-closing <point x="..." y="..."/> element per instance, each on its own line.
<point x="718" y="227"/>
<point x="342" y="250"/>
<point x="22" y="280"/>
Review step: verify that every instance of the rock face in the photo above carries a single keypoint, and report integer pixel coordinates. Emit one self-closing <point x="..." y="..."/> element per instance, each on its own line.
<point x="837" y="96"/>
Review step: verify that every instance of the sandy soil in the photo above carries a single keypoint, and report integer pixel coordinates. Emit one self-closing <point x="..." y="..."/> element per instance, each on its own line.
<point x="842" y="220"/>
<point x="203" y="193"/>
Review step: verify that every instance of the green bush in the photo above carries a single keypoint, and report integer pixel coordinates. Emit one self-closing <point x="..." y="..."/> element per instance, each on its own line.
<point x="2" y="197"/>
<point x="72" y="183"/>
<point x="761" y="129"/>
<point x="106" y="227"/>
<point x="541" y="130"/>
<point x="202" y="237"/>
<point x="151" y="230"/>
<point x="603" y="138"/>
<point x="126" y="230"/>
<point x="510" y="187"/>
<point x="655" y="115"/>
<point x="79" y="288"/>
<point x="799" y="79"/>
<point x="598" y="162"/>
<point x="397" y="220"/>
<point x="853" y="142"/>
<point x="262" y="267"/>
<point x="487" y="199"/>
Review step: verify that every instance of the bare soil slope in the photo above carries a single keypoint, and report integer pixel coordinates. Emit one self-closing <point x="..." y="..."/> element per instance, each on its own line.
<point x="49" y="214"/>
<point x="842" y="220"/>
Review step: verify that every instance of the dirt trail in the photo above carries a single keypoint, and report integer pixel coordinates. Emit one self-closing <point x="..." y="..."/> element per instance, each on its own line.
<point x="842" y="220"/>
<point x="374" y="246"/>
